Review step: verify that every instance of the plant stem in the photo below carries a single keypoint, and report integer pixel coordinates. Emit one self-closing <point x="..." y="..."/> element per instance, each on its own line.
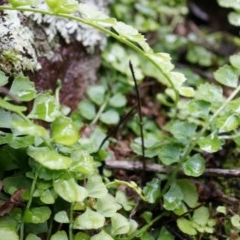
<point x="104" y="30"/>
<point x="71" y="222"/>
<point x="29" y="201"/>
<point x="100" y="111"/>
<point x="204" y="129"/>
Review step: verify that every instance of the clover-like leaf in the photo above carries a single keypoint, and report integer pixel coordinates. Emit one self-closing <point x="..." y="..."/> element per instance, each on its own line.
<point x="186" y="226"/>
<point x="120" y="225"/>
<point x="227" y="75"/>
<point x="210" y="143"/>
<point x="235" y="60"/>
<point x="28" y="128"/>
<point x="118" y="100"/>
<point x="37" y="215"/>
<point x="95" y="187"/>
<point x="7" y="233"/>
<point x="23" y="88"/>
<point x="69" y="190"/>
<point x="89" y="220"/>
<point x="107" y="205"/>
<point x="194" y="166"/>
<point x="96" y="93"/>
<point x="173" y="197"/>
<point x="190" y="194"/>
<point x="87" y="109"/>
<point x="61" y="217"/>
<point x="82" y="162"/>
<point x="64" y="131"/>
<point x="170" y="153"/>
<point x="201" y="216"/>
<point x="59" y="235"/>
<point x="183" y="130"/>
<point x="102" y="235"/>
<point x="3" y="79"/>
<point x="152" y="190"/>
<point x="49" y="158"/>
<point x="45" y="107"/>
<point x="110" y="117"/>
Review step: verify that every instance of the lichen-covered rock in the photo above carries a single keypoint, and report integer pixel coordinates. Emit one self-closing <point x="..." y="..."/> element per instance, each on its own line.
<point x="50" y="48"/>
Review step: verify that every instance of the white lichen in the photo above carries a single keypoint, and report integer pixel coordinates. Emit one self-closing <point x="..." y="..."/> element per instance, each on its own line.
<point x="16" y="44"/>
<point x="71" y="30"/>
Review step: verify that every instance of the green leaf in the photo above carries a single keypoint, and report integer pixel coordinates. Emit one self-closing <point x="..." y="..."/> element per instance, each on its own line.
<point x="21" y="3"/>
<point x="122" y="199"/>
<point x="47" y="197"/>
<point x="89" y="11"/>
<point x="49" y="158"/>
<point x="210" y="93"/>
<point x="118" y="100"/>
<point x="227" y="123"/>
<point x="61" y="217"/>
<point x="45" y="107"/>
<point x="165" y="235"/>
<point x="201" y="216"/>
<point x="186" y="226"/>
<point x="110" y="117"/>
<point x="183" y="130"/>
<point x="120" y="225"/>
<point x="163" y="60"/>
<point x="37" y="215"/>
<point x="235" y="60"/>
<point x="101" y="236"/>
<point x="190" y="194"/>
<point x="5" y="119"/>
<point x="234" y="18"/>
<point x="7" y="233"/>
<point x="60" y="235"/>
<point x="3" y="79"/>
<point x="82" y="236"/>
<point x="132" y="34"/>
<point x="170" y="153"/>
<point x="95" y="187"/>
<point x="69" y="190"/>
<point x="82" y="162"/>
<point x="210" y="143"/>
<point x="173" y="197"/>
<point x="89" y="220"/>
<point x="107" y="206"/>
<point x="194" y="166"/>
<point x="152" y="190"/>
<point x="235" y="220"/>
<point x="31" y="236"/>
<point x="23" y="88"/>
<point x="21" y="142"/>
<point x="199" y="108"/>
<point x="87" y="109"/>
<point x="227" y="75"/>
<point x="63" y="6"/>
<point x="64" y="131"/>
<point x="96" y="94"/>
<point x="28" y="128"/>
<point x="186" y="91"/>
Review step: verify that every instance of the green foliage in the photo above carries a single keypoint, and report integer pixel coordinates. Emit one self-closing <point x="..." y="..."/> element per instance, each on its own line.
<point x="58" y="173"/>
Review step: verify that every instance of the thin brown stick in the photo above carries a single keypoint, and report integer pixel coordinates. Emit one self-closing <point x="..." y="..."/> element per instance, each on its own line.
<point x="154" y="167"/>
<point x="140" y="120"/>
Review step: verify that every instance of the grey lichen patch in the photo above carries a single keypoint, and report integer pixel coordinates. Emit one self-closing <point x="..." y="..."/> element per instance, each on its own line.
<point x="21" y="44"/>
<point x="70" y="30"/>
<point x="16" y="44"/>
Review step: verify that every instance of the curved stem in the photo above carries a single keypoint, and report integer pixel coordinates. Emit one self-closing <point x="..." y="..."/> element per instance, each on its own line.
<point x="104" y="30"/>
